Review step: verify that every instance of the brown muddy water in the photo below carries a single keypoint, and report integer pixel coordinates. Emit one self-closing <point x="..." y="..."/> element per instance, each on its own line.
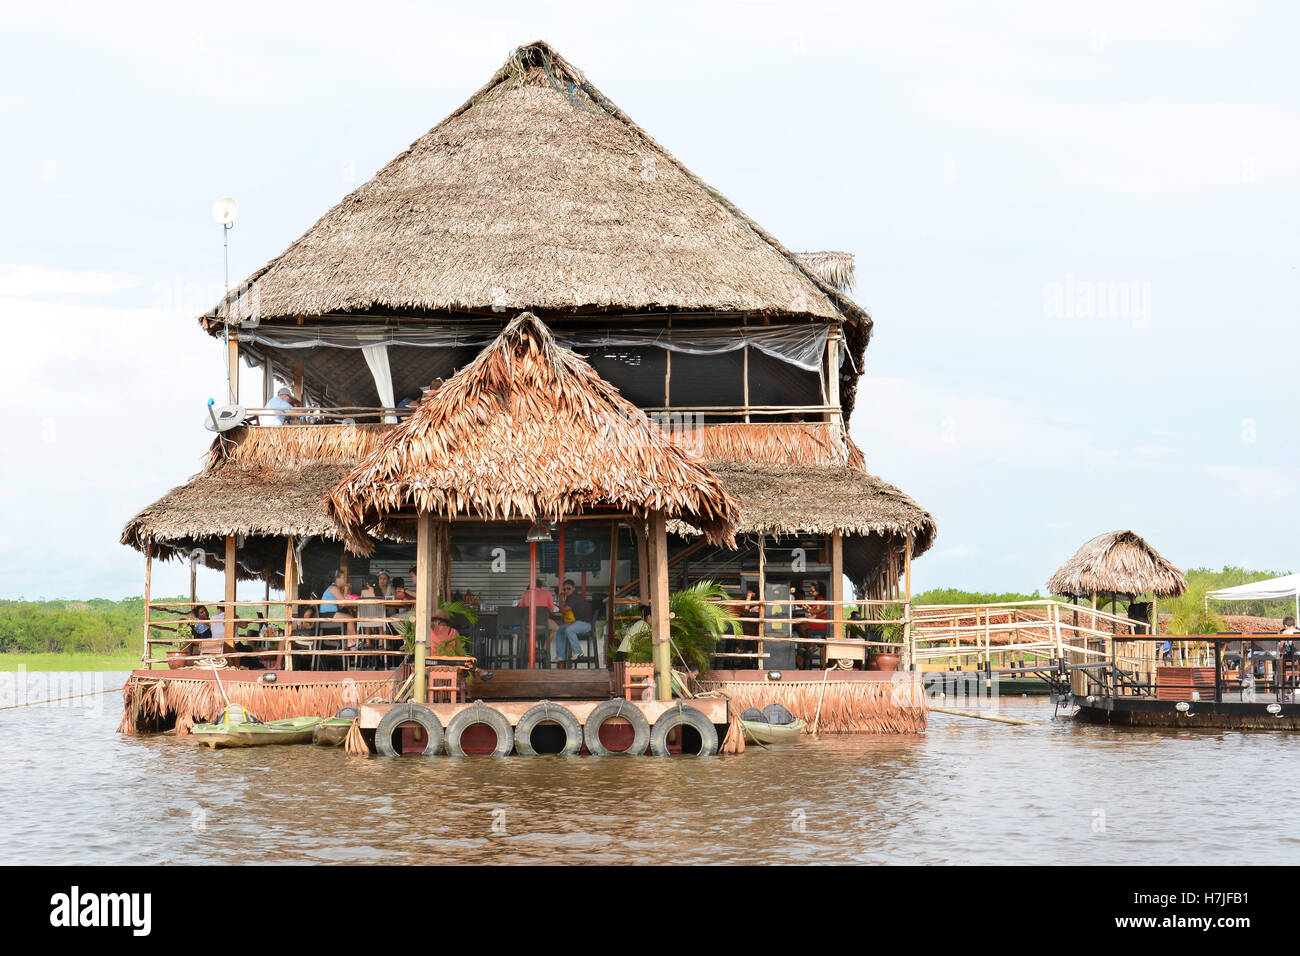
<point x="966" y="791"/>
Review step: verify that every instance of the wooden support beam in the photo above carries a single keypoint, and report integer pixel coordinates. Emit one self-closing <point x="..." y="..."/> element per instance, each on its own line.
<point x="232" y="359"/>
<point x="659" y="620"/>
<point x="425" y="599"/>
<point x="290" y="596"/>
<point x="907" y="608"/>
<point x="231" y="581"/>
<point x="837" y="584"/>
<point x="613" y="591"/>
<point x="148" y="583"/>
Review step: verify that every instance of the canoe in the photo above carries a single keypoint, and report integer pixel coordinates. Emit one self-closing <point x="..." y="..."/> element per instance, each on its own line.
<point x="295" y="730"/>
<point x="331" y="731"/>
<point x="758" y="732"/>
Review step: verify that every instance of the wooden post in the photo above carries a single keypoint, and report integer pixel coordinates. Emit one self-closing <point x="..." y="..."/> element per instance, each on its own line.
<point x="759" y="662"/>
<point x="642" y="562"/>
<point x="833" y="375"/>
<point x="613" y="589"/>
<point x="837" y="584"/>
<point x="290" y="596"/>
<point x="658" y="546"/>
<point x="231" y="580"/>
<point x="148" y="582"/>
<point x="232" y="358"/>
<point x="745" y="380"/>
<point x="425" y="576"/>
<point x="907" y="608"/>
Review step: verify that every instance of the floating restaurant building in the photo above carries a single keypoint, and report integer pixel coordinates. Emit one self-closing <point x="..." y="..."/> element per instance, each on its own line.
<point x="533" y="349"/>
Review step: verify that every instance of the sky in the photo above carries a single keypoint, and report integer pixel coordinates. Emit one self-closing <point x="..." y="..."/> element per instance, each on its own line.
<point x="1075" y="228"/>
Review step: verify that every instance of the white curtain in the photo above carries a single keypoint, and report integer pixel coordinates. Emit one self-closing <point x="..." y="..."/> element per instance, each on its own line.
<point x="377" y="359"/>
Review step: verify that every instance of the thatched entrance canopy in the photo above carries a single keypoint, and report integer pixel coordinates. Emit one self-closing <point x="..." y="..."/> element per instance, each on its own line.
<point x="528" y="431"/>
<point x="1120" y="564"/>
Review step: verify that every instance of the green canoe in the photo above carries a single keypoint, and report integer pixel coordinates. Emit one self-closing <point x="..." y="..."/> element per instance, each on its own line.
<point x="295" y="730"/>
<point x="758" y="732"/>
<point x="331" y="731"/>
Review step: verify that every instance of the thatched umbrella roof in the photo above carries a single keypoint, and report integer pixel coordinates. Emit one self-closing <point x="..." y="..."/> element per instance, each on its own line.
<point x="1116" y="563"/>
<point x="529" y="431"/>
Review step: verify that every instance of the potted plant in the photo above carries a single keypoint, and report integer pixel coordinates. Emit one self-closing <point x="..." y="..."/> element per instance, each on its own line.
<point x="881" y="658"/>
<point x="697" y="621"/>
<point x="176" y="656"/>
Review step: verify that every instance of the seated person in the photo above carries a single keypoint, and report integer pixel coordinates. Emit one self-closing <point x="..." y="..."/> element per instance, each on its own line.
<point x="329" y="608"/>
<point x="201" y="630"/>
<point x="407" y="405"/>
<point x="537" y="596"/>
<point x="576" y="617"/>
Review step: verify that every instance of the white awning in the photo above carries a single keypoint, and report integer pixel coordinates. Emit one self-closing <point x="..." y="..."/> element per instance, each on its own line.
<point x="1284" y="588"/>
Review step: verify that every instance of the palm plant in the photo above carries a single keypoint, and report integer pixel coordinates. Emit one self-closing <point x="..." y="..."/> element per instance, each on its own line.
<point x="698" y="620"/>
<point x="1189" y="614"/>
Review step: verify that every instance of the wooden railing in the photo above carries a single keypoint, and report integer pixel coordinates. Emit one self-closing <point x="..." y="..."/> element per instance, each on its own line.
<point x="290" y="637"/>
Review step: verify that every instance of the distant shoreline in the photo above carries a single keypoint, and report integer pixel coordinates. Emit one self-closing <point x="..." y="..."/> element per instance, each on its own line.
<point x="75" y="661"/>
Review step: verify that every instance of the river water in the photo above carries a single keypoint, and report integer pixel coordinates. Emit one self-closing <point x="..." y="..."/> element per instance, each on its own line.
<point x="966" y="791"/>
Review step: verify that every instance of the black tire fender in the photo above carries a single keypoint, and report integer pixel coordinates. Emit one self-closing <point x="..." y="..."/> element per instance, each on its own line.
<point x="548" y="712"/>
<point x="683" y="715"/>
<point x="617" y="707"/>
<point x="480" y="713"/>
<point x="409" y="713"/>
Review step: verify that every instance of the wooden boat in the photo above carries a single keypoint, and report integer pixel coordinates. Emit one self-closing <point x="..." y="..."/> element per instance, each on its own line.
<point x="294" y="730"/>
<point x="760" y="732"/>
<point x="331" y="731"/>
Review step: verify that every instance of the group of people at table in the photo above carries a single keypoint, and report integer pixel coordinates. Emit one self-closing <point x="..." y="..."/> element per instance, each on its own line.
<point x="362" y="620"/>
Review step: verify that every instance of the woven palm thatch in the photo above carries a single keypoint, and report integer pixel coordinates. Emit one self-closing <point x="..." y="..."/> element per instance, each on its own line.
<point x="846" y="707"/>
<point x="836" y="268"/>
<point x="166" y="701"/>
<point x="528" y="431"/>
<point x="537" y="193"/>
<point x="1118" y="563"/>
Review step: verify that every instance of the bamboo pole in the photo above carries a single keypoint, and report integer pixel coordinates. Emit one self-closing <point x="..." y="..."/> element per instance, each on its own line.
<point x="232" y="359"/>
<point x="745" y="380"/>
<point x="425" y="576"/>
<point x="613" y="590"/>
<point x="837" y="584"/>
<point x="290" y="596"/>
<point x="659" y="606"/>
<point x="907" y="608"/>
<point x="228" y="607"/>
<point x="148" y="583"/>
<point x="762" y="592"/>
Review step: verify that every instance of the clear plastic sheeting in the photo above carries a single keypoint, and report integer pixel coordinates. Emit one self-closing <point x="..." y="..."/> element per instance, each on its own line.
<point x="802" y="346"/>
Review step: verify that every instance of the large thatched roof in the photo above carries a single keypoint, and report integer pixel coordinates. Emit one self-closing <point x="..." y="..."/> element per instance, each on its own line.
<point x="528" y="430"/>
<point x="1120" y="563"/>
<point x="540" y="194"/>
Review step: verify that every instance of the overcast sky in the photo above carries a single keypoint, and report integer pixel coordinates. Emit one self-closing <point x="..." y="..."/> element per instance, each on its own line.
<point x="1075" y="227"/>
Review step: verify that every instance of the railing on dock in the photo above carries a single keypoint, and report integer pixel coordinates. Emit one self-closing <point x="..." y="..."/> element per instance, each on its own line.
<point x="288" y="639"/>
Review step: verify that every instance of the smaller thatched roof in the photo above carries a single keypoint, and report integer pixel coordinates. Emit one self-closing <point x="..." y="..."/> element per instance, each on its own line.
<point x="263" y="483"/>
<point x="530" y="431"/>
<point x="1119" y="563"/>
